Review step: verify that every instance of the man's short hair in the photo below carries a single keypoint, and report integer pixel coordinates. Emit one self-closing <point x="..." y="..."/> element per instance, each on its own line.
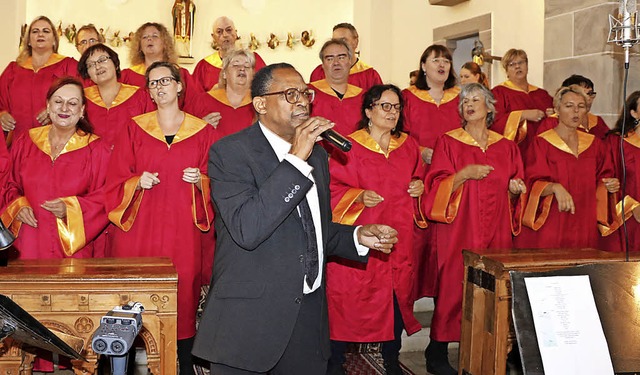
<point x="262" y="80"/>
<point x="579" y="80"/>
<point x="334" y="42"/>
<point x="347" y="25"/>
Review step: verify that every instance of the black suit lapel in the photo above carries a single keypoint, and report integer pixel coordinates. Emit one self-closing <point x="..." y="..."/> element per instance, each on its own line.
<point x="319" y="163"/>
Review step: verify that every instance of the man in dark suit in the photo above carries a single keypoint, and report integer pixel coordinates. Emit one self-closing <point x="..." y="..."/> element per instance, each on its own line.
<point x="266" y="311"/>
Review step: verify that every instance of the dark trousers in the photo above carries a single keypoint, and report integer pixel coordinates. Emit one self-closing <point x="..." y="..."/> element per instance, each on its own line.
<point x="390" y="349"/>
<point x="303" y="354"/>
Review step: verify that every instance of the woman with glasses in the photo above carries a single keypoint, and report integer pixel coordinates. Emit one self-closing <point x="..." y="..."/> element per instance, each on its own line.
<point x="378" y="180"/>
<point x="571" y="184"/>
<point x="24" y="82"/>
<point x="630" y="168"/>
<point x="152" y="42"/>
<point x="228" y="106"/>
<point x="110" y="104"/>
<point x="475" y="191"/>
<point x="158" y="192"/>
<point x="520" y="106"/>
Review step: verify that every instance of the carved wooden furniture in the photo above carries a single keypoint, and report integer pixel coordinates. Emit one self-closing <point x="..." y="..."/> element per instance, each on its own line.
<point x="487" y="326"/>
<point x="71" y="295"/>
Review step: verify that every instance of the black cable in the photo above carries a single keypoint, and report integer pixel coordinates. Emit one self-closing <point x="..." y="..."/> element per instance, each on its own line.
<point x="622" y="161"/>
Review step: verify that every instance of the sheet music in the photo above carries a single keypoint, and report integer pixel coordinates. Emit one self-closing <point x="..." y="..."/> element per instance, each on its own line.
<point x="567" y="326"/>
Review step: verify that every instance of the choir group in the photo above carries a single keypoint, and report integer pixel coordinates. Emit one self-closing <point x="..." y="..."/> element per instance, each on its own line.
<point x="97" y="161"/>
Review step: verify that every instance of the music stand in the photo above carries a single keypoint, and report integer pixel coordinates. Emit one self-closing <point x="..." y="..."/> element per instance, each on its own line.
<point x="22" y="327"/>
<point x="614" y="287"/>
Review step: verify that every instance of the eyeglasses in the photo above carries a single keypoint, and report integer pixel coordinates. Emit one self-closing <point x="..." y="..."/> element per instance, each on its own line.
<point x="292" y="95"/>
<point x="331" y="58"/>
<point x="442" y="61"/>
<point x="164" y="81"/>
<point x="387" y="106"/>
<point x="591" y="94"/>
<point x="516" y="63"/>
<point x="89" y="41"/>
<point x="101" y="60"/>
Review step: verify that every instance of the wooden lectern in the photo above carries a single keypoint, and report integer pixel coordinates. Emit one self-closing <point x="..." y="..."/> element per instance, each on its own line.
<point x="71" y="295"/>
<point x="487" y="326"/>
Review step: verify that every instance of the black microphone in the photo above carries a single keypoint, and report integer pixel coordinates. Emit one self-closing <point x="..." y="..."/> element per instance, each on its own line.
<point x="336" y="139"/>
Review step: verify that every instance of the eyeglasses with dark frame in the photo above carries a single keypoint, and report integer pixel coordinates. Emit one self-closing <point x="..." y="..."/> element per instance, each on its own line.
<point x="591" y="94"/>
<point x="101" y="60"/>
<point x="387" y="106"/>
<point x="292" y="95"/>
<point x="164" y="81"/>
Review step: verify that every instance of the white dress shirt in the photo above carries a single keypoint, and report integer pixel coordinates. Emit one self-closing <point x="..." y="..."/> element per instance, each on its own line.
<point x="282" y="148"/>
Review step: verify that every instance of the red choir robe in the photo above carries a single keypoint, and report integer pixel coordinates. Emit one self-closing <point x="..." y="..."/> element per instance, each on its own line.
<point x="615" y="241"/>
<point x="478" y="215"/>
<point x="595" y="126"/>
<point x="360" y="296"/>
<point x="5" y="164"/>
<point x="425" y="121"/>
<point x="233" y="119"/>
<point x="344" y="112"/>
<point x="167" y="219"/>
<point x="581" y="175"/>
<point x="23" y="90"/>
<point x="135" y="76"/>
<point x="108" y="122"/>
<point x="510" y="102"/>
<point x="360" y="75"/>
<point x="76" y="176"/>
<point x="207" y="71"/>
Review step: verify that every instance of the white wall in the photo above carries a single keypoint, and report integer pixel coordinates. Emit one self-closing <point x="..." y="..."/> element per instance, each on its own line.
<point x="393" y="34"/>
<point x="405" y="30"/>
<point x="260" y="17"/>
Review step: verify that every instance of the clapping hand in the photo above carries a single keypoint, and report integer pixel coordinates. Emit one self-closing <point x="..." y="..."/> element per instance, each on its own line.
<point x="378" y="237"/>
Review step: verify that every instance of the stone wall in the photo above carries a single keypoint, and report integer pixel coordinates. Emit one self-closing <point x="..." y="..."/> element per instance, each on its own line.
<point x="575" y="42"/>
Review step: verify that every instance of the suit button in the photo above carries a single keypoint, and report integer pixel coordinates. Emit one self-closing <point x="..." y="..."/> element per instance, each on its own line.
<point x="286" y="199"/>
<point x="290" y="195"/>
<point x="298" y="300"/>
<point x="301" y="257"/>
<point x="297" y="187"/>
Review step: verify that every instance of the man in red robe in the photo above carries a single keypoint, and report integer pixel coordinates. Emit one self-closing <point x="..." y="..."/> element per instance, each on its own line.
<point x="336" y="99"/>
<point x="224" y="35"/>
<point x="360" y="74"/>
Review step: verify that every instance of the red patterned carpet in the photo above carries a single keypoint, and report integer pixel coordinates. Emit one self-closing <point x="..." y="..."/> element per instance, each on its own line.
<point x="368" y="364"/>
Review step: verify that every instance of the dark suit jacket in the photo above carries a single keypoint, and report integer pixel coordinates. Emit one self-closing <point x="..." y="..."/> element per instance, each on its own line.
<point x="258" y="270"/>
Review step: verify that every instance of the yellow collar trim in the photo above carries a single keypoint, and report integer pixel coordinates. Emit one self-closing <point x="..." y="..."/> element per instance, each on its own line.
<point x="512" y="86"/>
<point x="449" y="94"/>
<point x="358" y="67"/>
<point x="463" y="136"/>
<point x="214" y="59"/>
<point x="584" y="141"/>
<point x="140" y="69"/>
<point x="633" y="138"/>
<point x="363" y="137"/>
<point x="323" y="85"/>
<point x="593" y="121"/>
<point x="126" y="91"/>
<point x="149" y="123"/>
<point x="53" y="59"/>
<point x="221" y="96"/>
<point x="40" y="137"/>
